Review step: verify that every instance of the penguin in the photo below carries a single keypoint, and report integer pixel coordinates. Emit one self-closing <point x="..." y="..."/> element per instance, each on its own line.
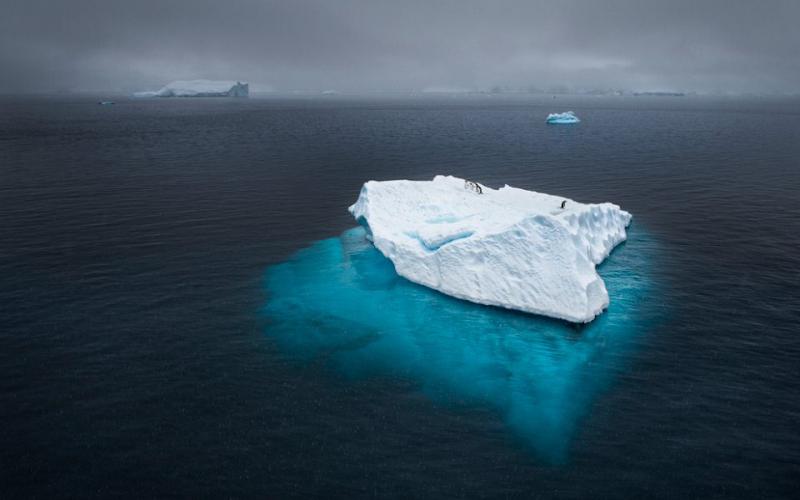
<point x="563" y="203"/>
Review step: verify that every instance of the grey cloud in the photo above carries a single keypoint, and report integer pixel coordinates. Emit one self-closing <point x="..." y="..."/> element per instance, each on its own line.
<point x="364" y="45"/>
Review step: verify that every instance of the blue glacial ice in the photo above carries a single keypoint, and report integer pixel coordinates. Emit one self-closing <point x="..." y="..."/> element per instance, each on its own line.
<point x="341" y="301"/>
<point x="564" y="118"/>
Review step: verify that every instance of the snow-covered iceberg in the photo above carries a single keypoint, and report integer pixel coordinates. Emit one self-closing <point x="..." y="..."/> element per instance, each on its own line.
<point x="566" y="117"/>
<point x="507" y="247"/>
<point x="200" y="88"/>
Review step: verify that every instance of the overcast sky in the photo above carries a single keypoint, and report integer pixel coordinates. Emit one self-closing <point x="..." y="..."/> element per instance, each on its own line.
<point x="353" y="45"/>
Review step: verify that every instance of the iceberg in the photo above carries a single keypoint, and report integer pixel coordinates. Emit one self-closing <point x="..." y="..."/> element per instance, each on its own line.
<point x="507" y="247"/>
<point x="200" y="88"/>
<point x="564" y="118"/>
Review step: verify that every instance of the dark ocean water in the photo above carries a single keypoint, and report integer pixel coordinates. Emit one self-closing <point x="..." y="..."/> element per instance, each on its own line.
<point x="160" y="334"/>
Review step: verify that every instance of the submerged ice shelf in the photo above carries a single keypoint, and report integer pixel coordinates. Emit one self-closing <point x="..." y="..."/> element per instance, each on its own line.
<point x="508" y="247"/>
<point x="564" y="118"/>
<point x="341" y="302"/>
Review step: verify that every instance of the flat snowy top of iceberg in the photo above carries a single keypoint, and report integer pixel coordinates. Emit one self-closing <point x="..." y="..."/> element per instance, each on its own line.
<point x="563" y="118"/>
<point x="188" y="88"/>
<point x="505" y="247"/>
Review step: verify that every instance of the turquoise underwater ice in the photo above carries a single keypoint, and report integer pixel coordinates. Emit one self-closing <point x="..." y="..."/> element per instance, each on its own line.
<point x="342" y="300"/>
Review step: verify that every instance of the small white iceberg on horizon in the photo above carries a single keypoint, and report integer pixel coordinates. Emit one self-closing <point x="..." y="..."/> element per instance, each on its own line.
<point x="505" y="247"/>
<point x="200" y="88"/>
<point x="562" y="118"/>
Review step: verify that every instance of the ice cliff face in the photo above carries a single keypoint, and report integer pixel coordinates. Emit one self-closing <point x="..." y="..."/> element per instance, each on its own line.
<point x="564" y="118"/>
<point x="200" y="88"/>
<point x="508" y="247"/>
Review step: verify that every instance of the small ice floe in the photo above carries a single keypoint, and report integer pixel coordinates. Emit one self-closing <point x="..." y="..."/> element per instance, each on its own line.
<point x="106" y="103"/>
<point x="562" y="118"/>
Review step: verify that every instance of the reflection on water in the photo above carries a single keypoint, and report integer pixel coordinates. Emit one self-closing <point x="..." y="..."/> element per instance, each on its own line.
<point x="341" y="299"/>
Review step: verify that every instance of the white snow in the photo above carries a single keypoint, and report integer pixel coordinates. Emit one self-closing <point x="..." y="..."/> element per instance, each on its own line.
<point x="562" y="118"/>
<point x="200" y="88"/>
<point x="506" y="247"/>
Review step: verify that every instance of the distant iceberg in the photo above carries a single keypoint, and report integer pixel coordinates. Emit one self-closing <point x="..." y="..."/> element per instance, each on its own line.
<point x="200" y="88"/>
<point x="505" y="247"/>
<point x="562" y="118"/>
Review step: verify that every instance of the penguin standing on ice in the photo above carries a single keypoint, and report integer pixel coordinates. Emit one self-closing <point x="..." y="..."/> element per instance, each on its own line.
<point x="563" y="203"/>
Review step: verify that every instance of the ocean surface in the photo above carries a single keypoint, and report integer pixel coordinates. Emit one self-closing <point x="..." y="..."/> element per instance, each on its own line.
<point x="187" y="310"/>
